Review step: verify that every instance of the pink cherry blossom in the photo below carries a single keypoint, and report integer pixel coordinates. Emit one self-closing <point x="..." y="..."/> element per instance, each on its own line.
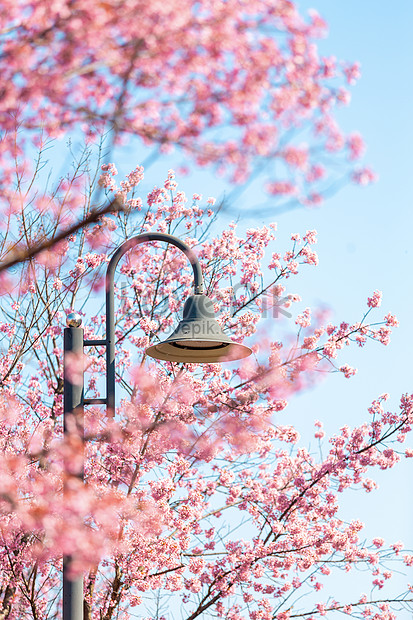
<point x="375" y="300"/>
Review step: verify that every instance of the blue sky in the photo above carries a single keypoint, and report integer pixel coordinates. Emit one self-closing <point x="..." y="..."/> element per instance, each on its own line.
<point x="365" y="233"/>
<point x="365" y="242"/>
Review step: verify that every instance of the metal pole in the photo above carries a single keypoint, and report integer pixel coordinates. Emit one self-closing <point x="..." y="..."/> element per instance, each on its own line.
<point x="72" y="403"/>
<point x="110" y="343"/>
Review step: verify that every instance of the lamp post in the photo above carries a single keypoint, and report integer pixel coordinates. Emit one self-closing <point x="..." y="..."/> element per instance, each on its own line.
<point x="198" y="339"/>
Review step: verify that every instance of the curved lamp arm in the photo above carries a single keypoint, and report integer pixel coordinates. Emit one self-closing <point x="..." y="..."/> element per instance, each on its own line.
<point x="110" y="298"/>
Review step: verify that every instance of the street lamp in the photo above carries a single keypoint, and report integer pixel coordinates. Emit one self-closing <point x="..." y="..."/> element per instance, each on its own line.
<point x="198" y="339"/>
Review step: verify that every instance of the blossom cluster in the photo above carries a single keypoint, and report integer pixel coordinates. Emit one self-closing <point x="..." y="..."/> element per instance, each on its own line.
<point x="256" y="70"/>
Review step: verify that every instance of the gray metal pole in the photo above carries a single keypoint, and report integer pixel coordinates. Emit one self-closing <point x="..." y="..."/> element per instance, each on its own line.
<point x="72" y="402"/>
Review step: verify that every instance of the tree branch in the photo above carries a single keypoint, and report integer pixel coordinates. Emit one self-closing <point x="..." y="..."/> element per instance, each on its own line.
<point x="21" y="256"/>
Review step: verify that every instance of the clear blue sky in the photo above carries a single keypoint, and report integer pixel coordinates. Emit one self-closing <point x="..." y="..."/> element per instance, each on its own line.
<point x="365" y="240"/>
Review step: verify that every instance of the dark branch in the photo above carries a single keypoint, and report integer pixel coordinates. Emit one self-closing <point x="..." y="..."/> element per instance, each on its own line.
<point x="21" y="256"/>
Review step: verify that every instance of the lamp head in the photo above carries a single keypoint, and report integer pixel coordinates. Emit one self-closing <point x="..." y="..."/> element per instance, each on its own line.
<point x="199" y="338"/>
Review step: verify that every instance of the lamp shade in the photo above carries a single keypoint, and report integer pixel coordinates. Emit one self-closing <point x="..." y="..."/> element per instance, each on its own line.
<point x="199" y="338"/>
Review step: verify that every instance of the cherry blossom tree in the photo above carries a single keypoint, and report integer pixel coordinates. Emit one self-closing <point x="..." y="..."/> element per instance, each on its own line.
<point x="199" y="495"/>
<point x="236" y="85"/>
